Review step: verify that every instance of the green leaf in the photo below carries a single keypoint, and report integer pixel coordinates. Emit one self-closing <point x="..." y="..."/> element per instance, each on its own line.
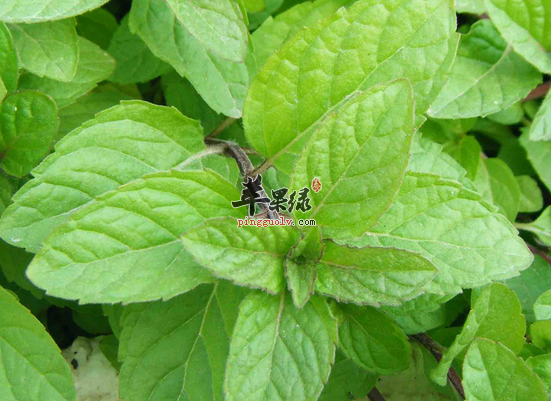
<point x="32" y="366"/>
<point x="347" y="378"/>
<point x="417" y="321"/>
<point x="540" y="130"/>
<point x="470" y="6"/>
<point x="372" y="276"/>
<point x="541" y="226"/>
<point x="98" y="26"/>
<point x="91" y="319"/>
<point x="467" y="153"/>
<point x="523" y="25"/>
<point x="94" y="66"/>
<point x="510" y="116"/>
<point x="492" y="372"/>
<point x="5" y="193"/>
<point x="429" y="157"/>
<point x="14" y="263"/>
<point x="135" y="62"/>
<point x="274" y="32"/>
<point x="487" y="76"/>
<point x="136" y="137"/>
<point x="300" y="266"/>
<point x="539" y="154"/>
<point x="541" y="365"/>
<point x="48" y="49"/>
<point x="179" y="348"/>
<point x="222" y="83"/>
<point x="109" y="346"/>
<point x="497" y="184"/>
<point x="530" y="284"/>
<point x="180" y="93"/>
<point x="375" y="132"/>
<point x="313" y="75"/>
<point x="225" y="249"/>
<point x="114" y="313"/>
<point x="86" y="107"/>
<point x="28" y="126"/>
<point x="496" y="315"/>
<point x="540" y="334"/>
<point x="132" y="235"/>
<point x="464" y="237"/>
<point x="531" y="198"/>
<point x="217" y="25"/>
<point x="9" y="66"/>
<point x="512" y="153"/>
<point x="413" y="383"/>
<point x="542" y="306"/>
<point x="373" y="341"/>
<point x="29" y="11"/>
<point x="275" y="345"/>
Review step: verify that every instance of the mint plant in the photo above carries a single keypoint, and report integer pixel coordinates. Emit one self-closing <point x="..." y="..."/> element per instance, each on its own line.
<point x="394" y="157"/>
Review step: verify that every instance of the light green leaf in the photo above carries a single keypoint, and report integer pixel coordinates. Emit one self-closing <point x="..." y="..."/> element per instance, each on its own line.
<point x="254" y="6"/>
<point x="300" y="266"/>
<point x="48" y="49"/>
<point x="279" y="352"/>
<point x="135" y="62"/>
<point x="530" y="284"/>
<point x="374" y="131"/>
<point x="487" y="77"/>
<point x="179" y="348"/>
<point x="510" y="116"/>
<point x="347" y="378"/>
<point x="217" y="25"/>
<point x="5" y="193"/>
<point x="492" y="372"/>
<point x="313" y="75"/>
<point x="29" y="11"/>
<point x="120" y="145"/>
<point x="539" y="154"/>
<point x="523" y="24"/>
<point x="86" y="107"/>
<point x="274" y="32"/>
<point x="470" y="6"/>
<point x="9" y="66"/>
<point x="497" y="184"/>
<point x="540" y="130"/>
<point x="3" y="90"/>
<point x="222" y="83"/>
<point x="373" y="341"/>
<point x="464" y="237"/>
<point x="372" y="276"/>
<point x="429" y="157"/>
<point x="496" y="315"/>
<point x="531" y="198"/>
<point x="542" y="306"/>
<point x="114" y="313"/>
<point x="540" y="334"/>
<point x="467" y="153"/>
<point x="541" y="226"/>
<point x="180" y="93"/>
<point x="246" y="255"/>
<point x="541" y="365"/>
<point x="98" y="26"/>
<point x="132" y="236"/>
<point x="413" y="383"/>
<point x="32" y="366"/>
<point x="94" y="66"/>
<point x="28" y="126"/>
<point x="64" y="93"/>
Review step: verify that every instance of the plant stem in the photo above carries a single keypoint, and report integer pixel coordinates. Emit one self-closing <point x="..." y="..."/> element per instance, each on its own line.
<point x="539" y="92"/>
<point x="536" y="251"/>
<point x="375" y="395"/>
<point x="221" y="128"/>
<point x="435" y="350"/>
